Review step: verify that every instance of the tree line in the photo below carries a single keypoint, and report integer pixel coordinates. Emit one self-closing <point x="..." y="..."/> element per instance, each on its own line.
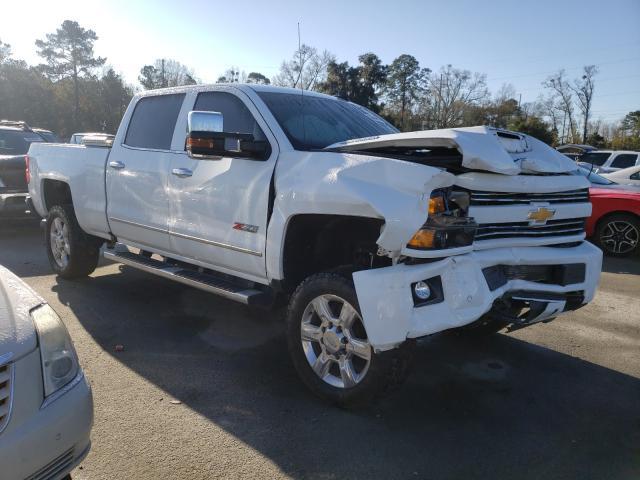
<point x="75" y="90"/>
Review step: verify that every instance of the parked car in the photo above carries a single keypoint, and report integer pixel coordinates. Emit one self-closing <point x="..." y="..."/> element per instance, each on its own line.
<point x="614" y="223"/>
<point x="15" y="139"/>
<point x="47" y="135"/>
<point x="373" y="237"/>
<point x="46" y="407"/>
<point x="626" y="176"/>
<point x="575" y="151"/>
<point x="604" y="181"/>
<point x="606" y="161"/>
<point x="78" y="138"/>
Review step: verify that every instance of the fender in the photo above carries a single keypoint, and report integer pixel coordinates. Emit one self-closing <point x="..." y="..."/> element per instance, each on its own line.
<point x="360" y="185"/>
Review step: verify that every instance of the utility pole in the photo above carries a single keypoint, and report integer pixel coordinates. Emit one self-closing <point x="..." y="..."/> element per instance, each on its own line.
<point x="163" y="80"/>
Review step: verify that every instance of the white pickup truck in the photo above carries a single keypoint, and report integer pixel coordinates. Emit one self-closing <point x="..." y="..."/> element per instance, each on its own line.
<point x="373" y="237"/>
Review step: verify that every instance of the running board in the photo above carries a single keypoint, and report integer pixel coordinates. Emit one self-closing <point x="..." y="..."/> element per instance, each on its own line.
<point x="203" y="281"/>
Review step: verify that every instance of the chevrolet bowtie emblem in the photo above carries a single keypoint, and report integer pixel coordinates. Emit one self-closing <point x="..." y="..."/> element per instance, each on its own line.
<point x="540" y="215"/>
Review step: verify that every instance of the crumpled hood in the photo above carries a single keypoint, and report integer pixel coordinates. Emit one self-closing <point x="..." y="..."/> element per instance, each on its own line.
<point x="482" y="148"/>
<point x="17" y="331"/>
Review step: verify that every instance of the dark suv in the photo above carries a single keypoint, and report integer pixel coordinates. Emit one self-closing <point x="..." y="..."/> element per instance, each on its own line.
<point x="15" y="138"/>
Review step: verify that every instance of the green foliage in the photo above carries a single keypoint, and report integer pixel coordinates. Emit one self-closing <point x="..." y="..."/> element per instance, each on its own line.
<point x="5" y="51"/>
<point x="406" y="82"/>
<point x="68" y="53"/>
<point x="533" y="126"/>
<point x="256" y="77"/>
<point x="360" y="84"/>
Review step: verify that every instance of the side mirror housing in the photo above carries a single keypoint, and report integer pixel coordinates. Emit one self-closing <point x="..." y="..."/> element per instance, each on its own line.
<point x="206" y="139"/>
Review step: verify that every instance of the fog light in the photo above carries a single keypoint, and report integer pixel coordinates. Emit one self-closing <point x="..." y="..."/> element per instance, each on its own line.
<point x="422" y="290"/>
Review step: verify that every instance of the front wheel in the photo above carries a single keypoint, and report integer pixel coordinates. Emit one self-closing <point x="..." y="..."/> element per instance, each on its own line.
<point x="72" y="252"/>
<point x="619" y="235"/>
<point x="329" y="346"/>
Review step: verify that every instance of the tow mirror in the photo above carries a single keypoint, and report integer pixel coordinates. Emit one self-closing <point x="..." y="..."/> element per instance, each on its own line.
<point x="207" y="140"/>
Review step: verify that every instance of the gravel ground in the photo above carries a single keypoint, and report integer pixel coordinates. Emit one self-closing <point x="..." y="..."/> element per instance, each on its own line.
<point x="204" y="388"/>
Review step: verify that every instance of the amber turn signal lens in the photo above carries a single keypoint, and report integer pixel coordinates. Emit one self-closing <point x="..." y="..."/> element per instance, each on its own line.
<point x="200" y="142"/>
<point x="423" y="239"/>
<point x="436" y="205"/>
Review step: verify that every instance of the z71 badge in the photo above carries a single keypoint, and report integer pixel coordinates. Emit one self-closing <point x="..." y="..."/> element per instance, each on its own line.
<point x="245" y="227"/>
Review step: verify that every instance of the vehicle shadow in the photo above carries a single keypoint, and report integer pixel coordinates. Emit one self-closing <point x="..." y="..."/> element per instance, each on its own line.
<point x="498" y="408"/>
<point x="621" y="265"/>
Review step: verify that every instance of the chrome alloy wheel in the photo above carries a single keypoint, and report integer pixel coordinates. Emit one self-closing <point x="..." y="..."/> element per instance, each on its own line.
<point x="620" y="237"/>
<point x="59" y="240"/>
<point x="335" y="342"/>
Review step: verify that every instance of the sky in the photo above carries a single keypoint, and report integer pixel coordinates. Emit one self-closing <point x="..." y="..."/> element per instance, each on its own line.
<point x="515" y="42"/>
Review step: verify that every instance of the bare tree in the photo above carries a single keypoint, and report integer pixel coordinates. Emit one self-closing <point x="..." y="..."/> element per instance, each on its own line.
<point x="5" y="51"/>
<point x="305" y="70"/>
<point x="583" y="88"/>
<point x="453" y="91"/>
<point x="166" y="73"/>
<point x="564" y="100"/>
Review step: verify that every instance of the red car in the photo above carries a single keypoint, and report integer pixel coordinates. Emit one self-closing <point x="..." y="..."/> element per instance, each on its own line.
<point x="614" y="224"/>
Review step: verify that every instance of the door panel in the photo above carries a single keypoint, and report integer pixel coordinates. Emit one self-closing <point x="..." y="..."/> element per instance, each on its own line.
<point x="137" y="174"/>
<point x="219" y="212"/>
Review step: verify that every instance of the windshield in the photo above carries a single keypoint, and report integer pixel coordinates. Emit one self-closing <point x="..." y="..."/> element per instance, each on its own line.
<point x="16" y="142"/>
<point x="595" y="158"/>
<point x="594" y="177"/>
<point x="49" y="137"/>
<point x="312" y="122"/>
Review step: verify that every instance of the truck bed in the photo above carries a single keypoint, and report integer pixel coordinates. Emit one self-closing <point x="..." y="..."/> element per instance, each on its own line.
<point x="83" y="169"/>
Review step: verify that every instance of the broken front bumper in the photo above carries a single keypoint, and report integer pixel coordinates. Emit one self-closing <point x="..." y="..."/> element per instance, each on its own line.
<point x="464" y="287"/>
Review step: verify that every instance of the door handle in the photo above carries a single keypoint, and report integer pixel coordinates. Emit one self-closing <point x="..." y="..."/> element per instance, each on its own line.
<point x="182" y="172"/>
<point x="116" y="165"/>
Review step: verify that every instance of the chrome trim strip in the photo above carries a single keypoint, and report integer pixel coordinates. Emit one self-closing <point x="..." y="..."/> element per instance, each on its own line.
<point x="189" y="237"/>
<point x="216" y="244"/>
<point x="4" y="358"/>
<point x="169" y="273"/>
<point x="12" y="381"/>
<point x="136" y="224"/>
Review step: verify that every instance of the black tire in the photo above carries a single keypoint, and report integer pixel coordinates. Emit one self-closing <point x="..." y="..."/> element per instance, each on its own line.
<point x="83" y="249"/>
<point x="619" y="243"/>
<point x="385" y="370"/>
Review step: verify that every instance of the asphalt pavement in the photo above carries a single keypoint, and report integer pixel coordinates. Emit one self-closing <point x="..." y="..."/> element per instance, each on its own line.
<point x="204" y="388"/>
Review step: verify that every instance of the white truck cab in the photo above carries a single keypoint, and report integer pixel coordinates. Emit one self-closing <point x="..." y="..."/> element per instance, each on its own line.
<point x="372" y="236"/>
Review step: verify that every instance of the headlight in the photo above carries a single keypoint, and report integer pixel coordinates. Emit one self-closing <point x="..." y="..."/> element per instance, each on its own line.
<point x="59" y="359"/>
<point x="448" y="225"/>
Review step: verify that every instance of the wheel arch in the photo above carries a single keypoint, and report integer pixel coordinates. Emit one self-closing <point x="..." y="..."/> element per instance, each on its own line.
<point x="314" y="243"/>
<point x="55" y="192"/>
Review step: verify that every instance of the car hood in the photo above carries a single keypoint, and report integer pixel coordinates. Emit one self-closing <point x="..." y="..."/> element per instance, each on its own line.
<point x="482" y="148"/>
<point x="633" y="195"/>
<point x="619" y="186"/>
<point x="17" y="331"/>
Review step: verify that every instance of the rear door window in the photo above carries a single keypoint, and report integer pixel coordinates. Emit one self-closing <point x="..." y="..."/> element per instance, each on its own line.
<point x="624" y="160"/>
<point x="16" y="142"/>
<point x="595" y="158"/>
<point x="153" y="122"/>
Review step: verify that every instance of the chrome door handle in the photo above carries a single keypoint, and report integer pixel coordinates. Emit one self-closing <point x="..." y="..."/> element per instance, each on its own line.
<point x="182" y="172"/>
<point x="117" y="165"/>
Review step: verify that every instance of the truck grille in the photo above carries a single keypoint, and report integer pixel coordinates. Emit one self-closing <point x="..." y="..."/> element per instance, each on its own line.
<point x="480" y="198"/>
<point x="553" y="228"/>
<point x="6" y="391"/>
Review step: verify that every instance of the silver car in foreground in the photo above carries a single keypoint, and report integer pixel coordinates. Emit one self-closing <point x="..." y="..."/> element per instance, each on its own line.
<point x="46" y="406"/>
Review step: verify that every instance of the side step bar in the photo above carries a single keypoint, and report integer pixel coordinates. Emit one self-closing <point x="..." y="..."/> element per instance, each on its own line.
<point x="203" y="281"/>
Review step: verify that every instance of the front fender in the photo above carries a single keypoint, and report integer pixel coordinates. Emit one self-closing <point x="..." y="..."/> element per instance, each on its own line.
<point x="356" y="185"/>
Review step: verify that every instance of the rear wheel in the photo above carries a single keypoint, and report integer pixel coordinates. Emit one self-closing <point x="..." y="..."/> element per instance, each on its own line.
<point x="619" y="235"/>
<point x="72" y="252"/>
<point x="329" y="346"/>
